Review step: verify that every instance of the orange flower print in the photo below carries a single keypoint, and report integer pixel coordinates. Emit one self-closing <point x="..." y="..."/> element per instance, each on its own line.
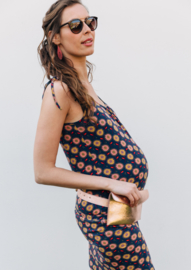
<point x="88" y="168"/>
<point x="143" y="161"/>
<point x="126" y="256"/>
<point x="131" y="180"/>
<point x="135" y="171"/>
<point x="116" y="138"/>
<point x="105" y="148"/>
<point x="102" y="122"/>
<point x="130" y="147"/>
<point x="115" y="264"/>
<point x="90" y="235"/>
<point x="126" y="234"/>
<point x="134" y="236"/>
<point x="94" y="225"/>
<point x="88" y="142"/>
<point x="101" y="229"/>
<point x="122" y="245"/>
<point x="119" y="166"/>
<point x="73" y="160"/>
<point x="66" y="147"/>
<point x="138" y="249"/>
<point x="109" y="122"/>
<point x="115" y="176"/>
<point x="97" y="143"/>
<point x="97" y="238"/>
<point x="141" y="261"/>
<point x="128" y="166"/>
<point x="93" y="156"/>
<point x="91" y="128"/>
<point x="118" y="232"/>
<point x="108" y="137"/>
<point x="138" y="161"/>
<point x="89" y="207"/>
<point x="74" y="150"/>
<point x="76" y="140"/>
<point x="134" y="258"/>
<point x="109" y="253"/>
<point x="122" y="152"/>
<point x="111" y="161"/>
<point x="101" y="249"/>
<point x="107" y="171"/>
<point x="98" y="170"/>
<point x="83" y="154"/>
<point x="121" y="267"/>
<point x="109" y="233"/>
<point x="67" y="137"/>
<point x="68" y="127"/>
<point x="117" y="257"/>
<point x="130" y="156"/>
<point x="80" y="165"/>
<point x="96" y="211"/>
<point x="123" y="143"/>
<point x="102" y="157"/>
<point x="131" y="267"/>
<point x="139" y="234"/>
<point x="104" y="242"/>
<point x="81" y="129"/>
<point x="100" y="132"/>
<point x="123" y="179"/>
<point x="112" y="246"/>
<point x="130" y="248"/>
<point x="113" y="152"/>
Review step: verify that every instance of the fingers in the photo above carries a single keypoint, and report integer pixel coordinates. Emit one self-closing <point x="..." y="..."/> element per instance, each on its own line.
<point x="134" y="197"/>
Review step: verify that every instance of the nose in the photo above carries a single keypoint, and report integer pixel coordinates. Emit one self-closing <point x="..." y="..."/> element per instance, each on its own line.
<point x="86" y="27"/>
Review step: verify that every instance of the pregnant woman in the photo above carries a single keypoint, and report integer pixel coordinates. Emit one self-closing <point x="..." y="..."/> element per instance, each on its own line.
<point x="102" y="154"/>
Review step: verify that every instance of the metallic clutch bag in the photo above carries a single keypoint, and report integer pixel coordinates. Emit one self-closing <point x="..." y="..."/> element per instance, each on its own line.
<point x="120" y="213"/>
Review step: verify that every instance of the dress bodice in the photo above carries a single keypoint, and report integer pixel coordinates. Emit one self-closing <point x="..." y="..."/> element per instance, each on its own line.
<point x="105" y="150"/>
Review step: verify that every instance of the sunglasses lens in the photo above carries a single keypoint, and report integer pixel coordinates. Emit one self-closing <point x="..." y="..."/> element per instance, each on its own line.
<point x="76" y="26"/>
<point x="92" y="23"/>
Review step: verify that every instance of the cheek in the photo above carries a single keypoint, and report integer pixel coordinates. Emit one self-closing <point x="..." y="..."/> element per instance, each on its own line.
<point x="72" y="42"/>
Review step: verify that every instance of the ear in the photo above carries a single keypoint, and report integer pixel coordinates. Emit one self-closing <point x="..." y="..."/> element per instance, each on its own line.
<point x="56" y="38"/>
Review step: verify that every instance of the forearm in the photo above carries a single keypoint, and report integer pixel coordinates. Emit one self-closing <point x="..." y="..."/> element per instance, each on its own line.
<point x="65" y="178"/>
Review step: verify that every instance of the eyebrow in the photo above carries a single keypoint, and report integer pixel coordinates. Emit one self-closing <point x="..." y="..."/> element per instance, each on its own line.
<point x="79" y="18"/>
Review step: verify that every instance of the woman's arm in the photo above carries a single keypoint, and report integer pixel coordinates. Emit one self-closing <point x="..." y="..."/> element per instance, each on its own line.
<point x="49" y="128"/>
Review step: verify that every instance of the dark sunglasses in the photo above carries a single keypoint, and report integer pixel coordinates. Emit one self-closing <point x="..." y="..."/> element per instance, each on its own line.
<point x="76" y="25"/>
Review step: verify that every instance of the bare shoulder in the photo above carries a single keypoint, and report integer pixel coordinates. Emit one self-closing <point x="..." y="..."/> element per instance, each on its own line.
<point x="57" y="93"/>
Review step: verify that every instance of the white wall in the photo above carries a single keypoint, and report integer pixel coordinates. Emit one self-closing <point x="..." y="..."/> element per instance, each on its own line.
<point x="143" y="67"/>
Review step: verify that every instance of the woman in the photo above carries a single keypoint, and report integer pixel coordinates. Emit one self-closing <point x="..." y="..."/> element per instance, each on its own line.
<point x="102" y="155"/>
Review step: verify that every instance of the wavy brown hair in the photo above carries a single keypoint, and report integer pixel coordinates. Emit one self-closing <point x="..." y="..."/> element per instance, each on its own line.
<point x="63" y="69"/>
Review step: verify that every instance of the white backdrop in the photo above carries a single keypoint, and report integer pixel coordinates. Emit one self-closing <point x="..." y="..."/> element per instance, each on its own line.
<point x="143" y="67"/>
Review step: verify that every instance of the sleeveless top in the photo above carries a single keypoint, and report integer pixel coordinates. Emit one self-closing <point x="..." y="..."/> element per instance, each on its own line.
<point x="105" y="150"/>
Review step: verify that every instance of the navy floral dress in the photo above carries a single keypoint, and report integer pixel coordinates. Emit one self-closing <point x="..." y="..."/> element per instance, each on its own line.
<point x="107" y="150"/>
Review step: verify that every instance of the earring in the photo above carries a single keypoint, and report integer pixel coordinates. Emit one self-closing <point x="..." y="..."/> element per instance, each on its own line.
<point x="59" y="53"/>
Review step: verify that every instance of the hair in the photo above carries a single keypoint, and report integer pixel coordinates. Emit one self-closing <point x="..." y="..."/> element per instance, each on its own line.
<point x="63" y="69"/>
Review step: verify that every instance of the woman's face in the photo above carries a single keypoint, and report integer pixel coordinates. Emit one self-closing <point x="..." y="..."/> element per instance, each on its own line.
<point x="71" y="44"/>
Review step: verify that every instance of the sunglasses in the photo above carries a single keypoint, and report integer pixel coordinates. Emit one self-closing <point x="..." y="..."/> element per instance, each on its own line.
<point x="76" y="25"/>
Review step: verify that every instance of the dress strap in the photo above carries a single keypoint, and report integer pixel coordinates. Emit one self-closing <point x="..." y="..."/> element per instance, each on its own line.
<point x="52" y="90"/>
<point x="102" y="100"/>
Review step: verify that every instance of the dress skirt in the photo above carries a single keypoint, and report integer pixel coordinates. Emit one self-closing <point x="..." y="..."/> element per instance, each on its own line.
<point x="111" y="247"/>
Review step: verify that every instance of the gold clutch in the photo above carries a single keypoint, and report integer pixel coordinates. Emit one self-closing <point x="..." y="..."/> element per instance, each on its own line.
<point x="120" y="213"/>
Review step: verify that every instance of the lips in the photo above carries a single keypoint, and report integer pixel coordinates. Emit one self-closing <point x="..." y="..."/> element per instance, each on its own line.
<point x="89" y="39"/>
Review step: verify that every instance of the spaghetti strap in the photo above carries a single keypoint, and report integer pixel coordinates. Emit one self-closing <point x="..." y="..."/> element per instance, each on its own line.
<point x="102" y="100"/>
<point x="52" y="90"/>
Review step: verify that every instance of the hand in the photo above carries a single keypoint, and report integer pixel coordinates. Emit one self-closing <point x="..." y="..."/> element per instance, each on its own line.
<point x="128" y="192"/>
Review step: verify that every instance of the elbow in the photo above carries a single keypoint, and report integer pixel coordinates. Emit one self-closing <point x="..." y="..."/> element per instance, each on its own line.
<point x="38" y="179"/>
